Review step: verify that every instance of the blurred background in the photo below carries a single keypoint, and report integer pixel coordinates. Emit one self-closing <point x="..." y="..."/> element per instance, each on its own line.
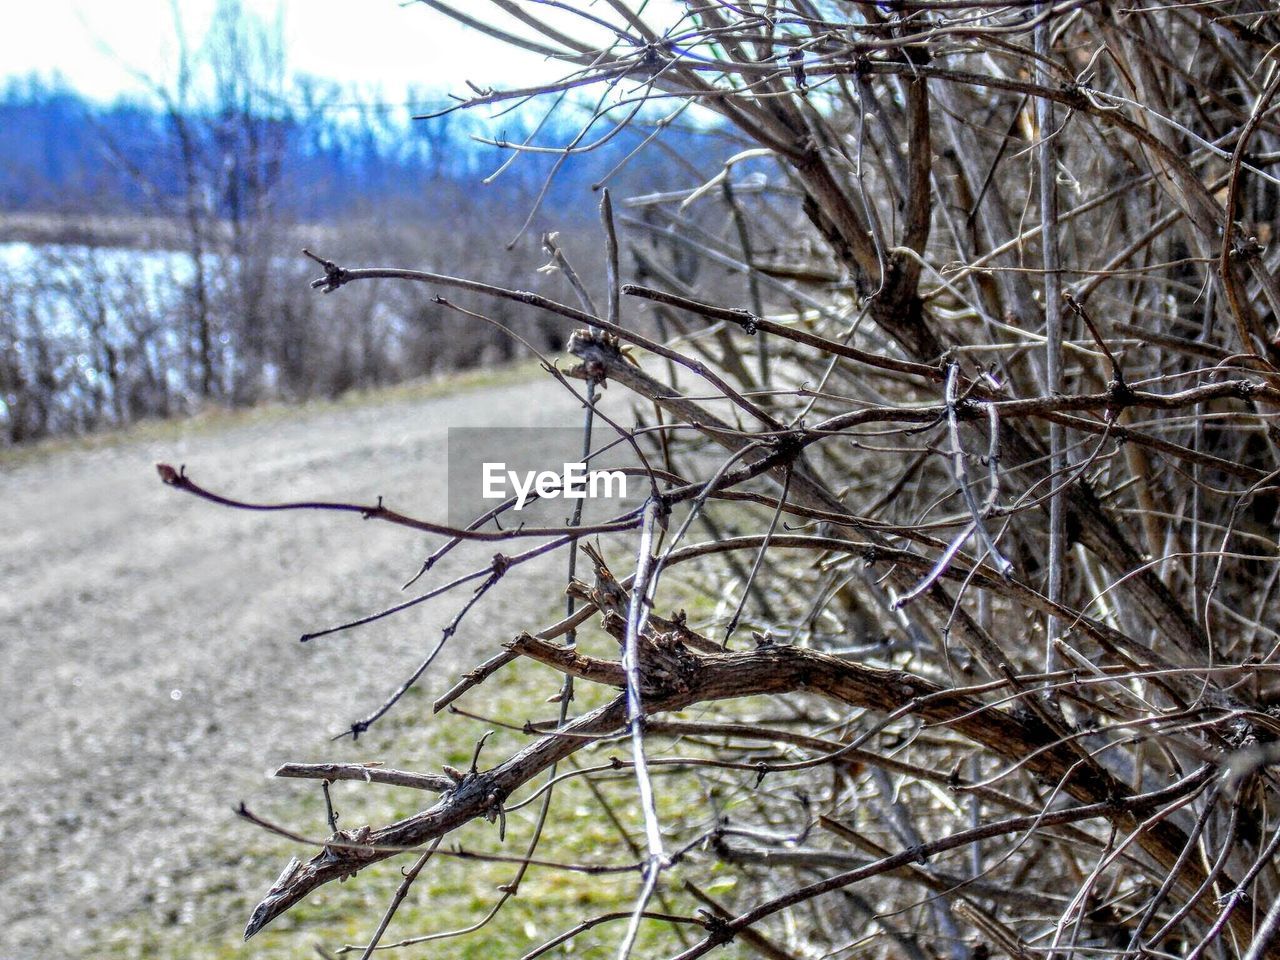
<point x="164" y="162"/>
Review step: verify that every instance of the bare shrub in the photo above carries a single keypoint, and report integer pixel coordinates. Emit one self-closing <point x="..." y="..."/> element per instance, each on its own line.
<point x="979" y="321"/>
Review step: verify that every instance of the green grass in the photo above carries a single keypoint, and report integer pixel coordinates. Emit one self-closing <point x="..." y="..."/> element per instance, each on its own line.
<point x="216" y="418"/>
<point x="450" y="893"/>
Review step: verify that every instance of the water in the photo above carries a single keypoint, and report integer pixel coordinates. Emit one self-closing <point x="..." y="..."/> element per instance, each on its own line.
<point x="66" y="288"/>
<point x="79" y="325"/>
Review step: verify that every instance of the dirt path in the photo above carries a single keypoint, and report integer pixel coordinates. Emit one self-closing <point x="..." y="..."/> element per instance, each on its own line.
<point x="150" y="674"/>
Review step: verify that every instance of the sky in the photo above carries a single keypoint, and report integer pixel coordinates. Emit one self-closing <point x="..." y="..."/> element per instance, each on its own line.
<point x="379" y="45"/>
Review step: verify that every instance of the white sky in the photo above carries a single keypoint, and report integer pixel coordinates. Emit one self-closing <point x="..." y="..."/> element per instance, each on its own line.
<point x="381" y="45"/>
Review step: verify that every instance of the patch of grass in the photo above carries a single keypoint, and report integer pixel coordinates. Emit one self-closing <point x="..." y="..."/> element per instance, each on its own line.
<point x="216" y="418"/>
<point x="451" y="893"/>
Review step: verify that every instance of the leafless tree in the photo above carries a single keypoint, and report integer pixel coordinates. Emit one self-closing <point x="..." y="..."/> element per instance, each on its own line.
<point x="971" y="346"/>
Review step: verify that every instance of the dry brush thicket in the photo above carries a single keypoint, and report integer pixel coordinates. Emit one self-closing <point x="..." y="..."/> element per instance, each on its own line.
<point x="958" y="387"/>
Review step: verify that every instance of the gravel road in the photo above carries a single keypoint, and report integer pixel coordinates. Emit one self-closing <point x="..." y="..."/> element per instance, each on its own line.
<point x="151" y="675"/>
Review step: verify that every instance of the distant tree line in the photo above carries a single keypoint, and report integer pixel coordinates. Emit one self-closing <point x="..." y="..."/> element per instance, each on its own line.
<point x="320" y="150"/>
